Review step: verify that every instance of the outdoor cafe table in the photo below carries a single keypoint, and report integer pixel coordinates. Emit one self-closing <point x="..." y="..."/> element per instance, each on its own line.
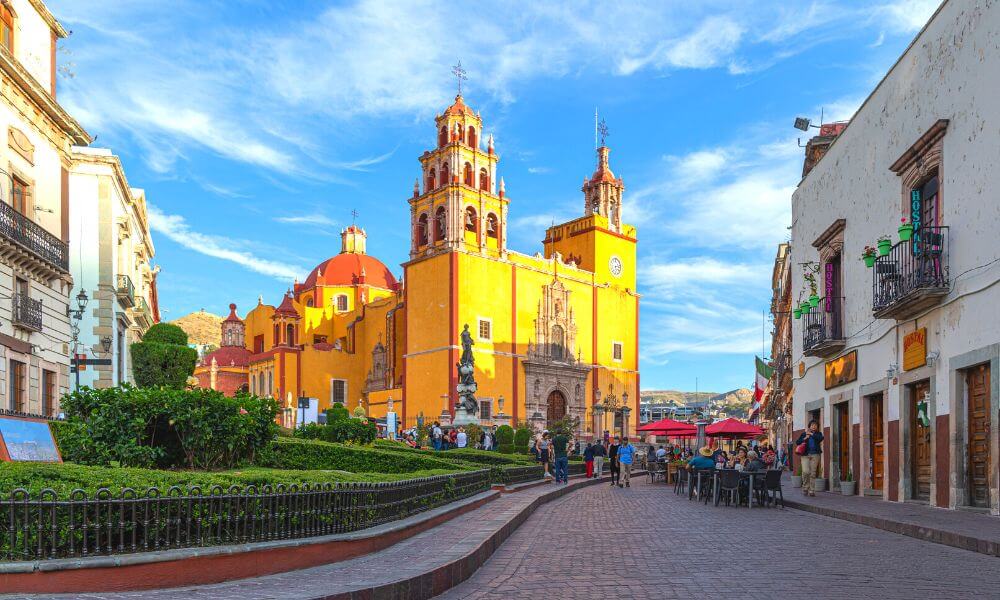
<point x="750" y="476"/>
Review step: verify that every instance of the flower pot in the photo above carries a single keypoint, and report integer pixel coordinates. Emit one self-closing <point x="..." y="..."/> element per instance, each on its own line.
<point x="813" y="300"/>
<point x="804" y="308"/>
<point x="797" y="312"/>
<point x="869" y="260"/>
<point x="847" y="487"/>
<point x="819" y="484"/>
<point x="884" y="246"/>
<point x="905" y="232"/>
<point x="796" y="481"/>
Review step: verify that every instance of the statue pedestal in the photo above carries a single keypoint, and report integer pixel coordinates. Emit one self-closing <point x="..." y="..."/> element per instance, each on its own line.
<point x="445" y="418"/>
<point x="501" y="419"/>
<point x="462" y="417"/>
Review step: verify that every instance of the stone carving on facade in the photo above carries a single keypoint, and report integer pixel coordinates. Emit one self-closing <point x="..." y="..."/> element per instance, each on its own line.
<point x="378" y="374"/>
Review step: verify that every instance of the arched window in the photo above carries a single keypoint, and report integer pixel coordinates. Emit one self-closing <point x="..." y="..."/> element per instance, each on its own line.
<point x="261" y="390"/>
<point x="611" y="213"/>
<point x="443" y="136"/>
<point x="422" y="230"/>
<point x="309" y="301"/>
<point x="471" y="222"/>
<point x="557" y="342"/>
<point x="342" y="302"/>
<point x="439" y="228"/>
<point x="467" y="175"/>
<point x="6" y="27"/>
<point x="290" y="334"/>
<point x="492" y="227"/>
<point x="484" y="179"/>
<point x="445" y="175"/>
<point x="277" y="334"/>
<point x="472" y="136"/>
<point x="270" y="384"/>
<point x="459" y="132"/>
<point x="431" y="180"/>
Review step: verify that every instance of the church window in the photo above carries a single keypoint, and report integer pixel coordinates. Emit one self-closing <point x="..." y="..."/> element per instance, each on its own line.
<point x="472" y="136"/>
<point x="422" y="230"/>
<point x="258" y="344"/>
<point x="290" y="334"/>
<point x="467" y="175"/>
<point x="439" y="228"/>
<point x="611" y="214"/>
<point x="616" y="351"/>
<point x="491" y="226"/>
<point x="277" y="334"/>
<point x="309" y="301"/>
<point x="485" y="329"/>
<point x="471" y="221"/>
<point x="431" y="179"/>
<point x="6" y="27"/>
<point x="484" y="179"/>
<point x="445" y="176"/>
<point x="443" y="136"/>
<point x="459" y="133"/>
<point x="338" y="391"/>
<point x="557" y="342"/>
<point x="270" y="384"/>
<point x="486" y="408"/>
<point x="342" y="302"/>
<point x="260" y="383"/>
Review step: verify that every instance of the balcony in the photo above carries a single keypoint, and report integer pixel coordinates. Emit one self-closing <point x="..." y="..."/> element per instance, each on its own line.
<point x="30" y="245"/>
<point x="125" y="291"/>
<point x="141" y="314"/>
<point x="823" y="329"/>
<point x="913" y="276"/>
<point x="27" y="312"/>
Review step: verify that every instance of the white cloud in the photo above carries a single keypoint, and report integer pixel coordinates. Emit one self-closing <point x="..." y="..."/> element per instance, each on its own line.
<point x="539" y="170"/>
<point x="176" y="228"/>
<point x="905" y="16"/>
<point x="315" y="219"/>
<point x="669" y="279"/>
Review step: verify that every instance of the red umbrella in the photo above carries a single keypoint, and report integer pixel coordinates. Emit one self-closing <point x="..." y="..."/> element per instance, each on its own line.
<point x="669" y="427"/>
<point x="733" y="428"/>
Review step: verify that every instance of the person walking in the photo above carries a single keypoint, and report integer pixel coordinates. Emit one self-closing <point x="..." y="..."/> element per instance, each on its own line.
<point x="437" y="435"/>
<point x="626" y="455"/>
<point x="616" y="469"/>
<point x="559" y="445"/>
<point x="811" y="456"/>
<point x="543" y="451"/>
<point x="461" y="438"/>
<point x="599" y="453"/>
<point x="588" y="459"/>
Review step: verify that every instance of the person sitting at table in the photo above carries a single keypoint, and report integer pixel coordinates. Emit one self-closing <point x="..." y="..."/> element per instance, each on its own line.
<point x="721" y="459"/>
<point x="770" y="458"/>
<point x="754" y="463"/>
<point x="740" y="458"/>
<point x="661" y="454"/>
<point x="703" y="460"/>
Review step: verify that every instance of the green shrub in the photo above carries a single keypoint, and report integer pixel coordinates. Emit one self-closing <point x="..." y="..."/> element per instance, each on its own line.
<point x="464" y="455"/>
<point x="353" y="431"/>
<point x="166" y="333"/>
<point x="146" y="427"/>
<point x="505" y="434"/>
<point x="284" y="453"/>
<point x="522" y="438"/>
<point x="506" y="448"/>
<point x="337" y="412"/>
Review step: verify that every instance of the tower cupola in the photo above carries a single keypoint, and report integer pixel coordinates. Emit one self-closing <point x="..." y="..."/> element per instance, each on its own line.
<point x="353" y="240"/>
<point x="602" y="193"/>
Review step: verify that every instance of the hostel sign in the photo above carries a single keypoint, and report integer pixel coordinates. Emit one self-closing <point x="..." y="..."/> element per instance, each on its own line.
<point x="915" y="349"/>
<point x="842" y="370"/>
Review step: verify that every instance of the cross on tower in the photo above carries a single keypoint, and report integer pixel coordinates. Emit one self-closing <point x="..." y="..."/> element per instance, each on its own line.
<point x="459" y="73"/>
<point x="603" y="130"/>
<point x="354" y="216"/>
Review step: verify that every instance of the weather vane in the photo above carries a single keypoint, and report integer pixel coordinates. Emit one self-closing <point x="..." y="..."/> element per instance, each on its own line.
<point x="603" y="130"/>
<point x="459" y="73"/>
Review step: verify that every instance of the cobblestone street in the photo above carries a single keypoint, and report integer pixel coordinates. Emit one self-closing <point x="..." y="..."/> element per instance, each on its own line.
<point x="645" y="542"/>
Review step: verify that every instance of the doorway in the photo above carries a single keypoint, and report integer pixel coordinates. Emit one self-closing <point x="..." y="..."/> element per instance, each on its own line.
<point x="876" y="448"/>
<point x="843" y="450"/>
<point x="556" y="406"/>
<point x="920" y="449"/>
<point x="977" y="382"/>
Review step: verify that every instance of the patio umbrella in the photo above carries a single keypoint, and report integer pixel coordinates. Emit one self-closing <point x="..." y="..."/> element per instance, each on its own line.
<point x="669" y="428"/>
<point x="733" y="428"/>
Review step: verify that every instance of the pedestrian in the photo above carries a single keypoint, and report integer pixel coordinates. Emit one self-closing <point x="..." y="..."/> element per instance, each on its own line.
<point x="626" y="454"/>
<point x="543" y="452"/>
<point x="810" y="448"/>
<point x="588" y="459"/>
<point x="599" y="453"/>
<point x="452" y="438"/>
<point x="616" y="469"/>
<point x="650" y="455"/>
<point x="560" y="443"/>
<point x="437" y="435"/>
<point x="461" y="438"/>
<point x="487" y="439"/>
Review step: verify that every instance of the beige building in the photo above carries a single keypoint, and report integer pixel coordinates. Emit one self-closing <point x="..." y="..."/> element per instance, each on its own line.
<point x="35" y="160"/>
<point x="112" y="250"/>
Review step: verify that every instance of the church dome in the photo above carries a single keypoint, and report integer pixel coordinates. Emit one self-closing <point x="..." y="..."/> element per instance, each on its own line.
<point x="347" y="269"/>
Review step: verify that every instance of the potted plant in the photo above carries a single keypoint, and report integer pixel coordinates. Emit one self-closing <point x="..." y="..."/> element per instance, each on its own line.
<point x="848" y="485"/>
<point x="905" y="230"/>
<point x="797" y="312"/>
<point x="868" y="255"/>
<point x="804" y="307"/>
<point x="797" y="478"/>
<point x="884" y="245"/>
<point x="813" y="301"/>
<point x="819" y="484"/>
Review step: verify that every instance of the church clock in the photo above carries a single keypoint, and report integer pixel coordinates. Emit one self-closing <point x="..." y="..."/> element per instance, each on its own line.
<point x="615" y="264"/>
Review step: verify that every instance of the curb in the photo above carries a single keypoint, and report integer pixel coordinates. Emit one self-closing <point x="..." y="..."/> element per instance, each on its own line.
<point x="929" y="534"/>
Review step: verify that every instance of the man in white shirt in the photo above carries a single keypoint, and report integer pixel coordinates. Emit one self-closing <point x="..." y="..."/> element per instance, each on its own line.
<point x="661" y="453"/>
<point x="437" y="435"/>
<point x="461" y="439"/>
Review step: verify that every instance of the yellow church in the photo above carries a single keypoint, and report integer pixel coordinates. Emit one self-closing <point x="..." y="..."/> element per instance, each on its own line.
<point x="555" y="333"/>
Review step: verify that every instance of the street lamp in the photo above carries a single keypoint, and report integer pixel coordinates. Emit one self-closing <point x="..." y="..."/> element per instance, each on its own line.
<point x="75" y="317"/>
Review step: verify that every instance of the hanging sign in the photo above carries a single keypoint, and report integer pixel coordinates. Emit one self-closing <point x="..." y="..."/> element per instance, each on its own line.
<point x="915" y="349"/>
<point x="842" y="370"/>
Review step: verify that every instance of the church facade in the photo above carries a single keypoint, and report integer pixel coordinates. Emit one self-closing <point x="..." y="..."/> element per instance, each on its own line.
<point x="555" y="333"/>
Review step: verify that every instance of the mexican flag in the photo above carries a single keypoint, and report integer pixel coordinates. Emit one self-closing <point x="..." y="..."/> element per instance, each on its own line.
<point x="764" y="374"/>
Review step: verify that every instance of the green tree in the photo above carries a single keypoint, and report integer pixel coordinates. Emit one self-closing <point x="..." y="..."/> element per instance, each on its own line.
<point x="505" y="439"/>
<point x="162" y="358"/>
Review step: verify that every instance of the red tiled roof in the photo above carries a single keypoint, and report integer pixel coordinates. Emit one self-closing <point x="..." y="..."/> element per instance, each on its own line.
<point x="286" y="308"/>
<point x="459" y="108"/>
<point x="228" y="356"/>
<point x="233" y="318"/>
<point x="346" y="268"/>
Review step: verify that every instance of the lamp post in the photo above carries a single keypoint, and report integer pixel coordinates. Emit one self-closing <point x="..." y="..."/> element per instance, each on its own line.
<point x="625" y="413"/>
<point x="74" y="328"/>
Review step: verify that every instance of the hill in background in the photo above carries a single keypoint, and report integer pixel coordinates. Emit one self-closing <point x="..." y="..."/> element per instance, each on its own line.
<point x="734" y="402"/>
<point x="203" y="329"/>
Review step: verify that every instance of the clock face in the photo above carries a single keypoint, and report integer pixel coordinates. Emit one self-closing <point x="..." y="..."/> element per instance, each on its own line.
<point x="615" y="264"/>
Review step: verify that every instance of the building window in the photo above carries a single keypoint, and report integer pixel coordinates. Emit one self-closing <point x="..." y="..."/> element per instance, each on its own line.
<point x="277" y="335"/>
<point x="471" y="220"/>
<point x="342" y="302"/>
<point x="485" y="410"/>
<point x="120" y="353"/>
<point x="319" y="339"/>
<point x="290" y="334"/>
<point x="309" y="301"/>
<point x="48" y="393"/>
<point x="431" y="180"/>
<point x="258" y="345"/>
<point x="467" y="175"/>
<point x="472" y="136"/>
<point x="443" y="136"/>
<point x="6" y="27"/>
<point x="484" y="179"/>
<point x="439" y="224"/>
<point x="20" y="195"/>
<point x="338" y="391"/>
<point x="18" y="385"/>
<point x="492" y="229"/>
<point x="445" y="175"/>
<point x="616" y="351"/>
<point x="485" y="329"/>
<point x="422" y="230"/>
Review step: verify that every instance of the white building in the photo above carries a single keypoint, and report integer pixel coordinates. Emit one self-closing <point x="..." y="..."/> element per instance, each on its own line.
<point x="112" y="250"/>
<point x="900" y="362"/>
<point x="35" y="280"/>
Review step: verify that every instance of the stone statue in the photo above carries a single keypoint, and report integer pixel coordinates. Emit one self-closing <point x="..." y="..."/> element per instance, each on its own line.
<point x="467" y="387"/>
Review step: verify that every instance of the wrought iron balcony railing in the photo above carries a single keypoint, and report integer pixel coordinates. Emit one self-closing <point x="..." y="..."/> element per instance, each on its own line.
<point x="823" y="328"/>
<point x="125" y="291"/>
<point x="142" y="312"/>
<point x="913" y="276"/>
<point x="27" y="312"/>
<point x="33" y="238"/>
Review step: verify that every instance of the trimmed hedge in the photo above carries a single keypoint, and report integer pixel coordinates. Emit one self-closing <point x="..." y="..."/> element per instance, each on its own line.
<point x="162" y="358"/>
<point x="290" y="453"/>
<point x="484" y="457"/>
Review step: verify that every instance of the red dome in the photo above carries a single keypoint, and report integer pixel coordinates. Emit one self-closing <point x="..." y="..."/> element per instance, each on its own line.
<point x="346" y="268"/>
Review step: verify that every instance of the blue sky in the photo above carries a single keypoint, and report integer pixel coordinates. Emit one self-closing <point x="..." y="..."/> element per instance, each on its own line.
<point x="257" y="126"/>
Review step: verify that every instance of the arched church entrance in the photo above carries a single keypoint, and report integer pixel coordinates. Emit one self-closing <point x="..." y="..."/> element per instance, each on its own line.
<point x="556" y="406"/>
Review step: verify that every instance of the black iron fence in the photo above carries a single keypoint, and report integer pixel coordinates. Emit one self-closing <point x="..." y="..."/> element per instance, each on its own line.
<point x="27" y="312"/>
<point x="920" y="263"/>
<point x="6" y="412"/>
<point x="824" y="323"/>
<point x="47" y="527"/>
<point x="33" y="237"/>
